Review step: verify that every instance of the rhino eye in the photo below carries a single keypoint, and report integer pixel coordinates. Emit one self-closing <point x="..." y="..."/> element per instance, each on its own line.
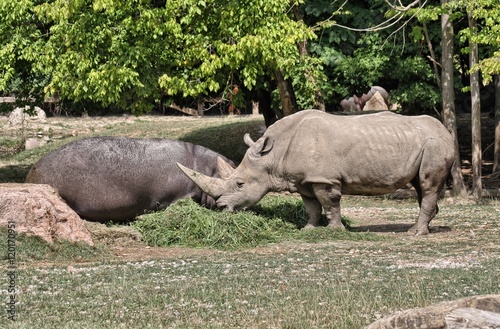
<point x="240" y="184"/>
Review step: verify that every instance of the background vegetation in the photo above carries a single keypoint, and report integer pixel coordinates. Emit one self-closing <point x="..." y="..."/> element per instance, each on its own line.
<point x="105" y="56"/>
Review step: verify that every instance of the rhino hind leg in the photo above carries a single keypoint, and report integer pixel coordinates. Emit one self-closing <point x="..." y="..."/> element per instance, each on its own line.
<point x="428" y="210"/>
<point x="428" y="185"/>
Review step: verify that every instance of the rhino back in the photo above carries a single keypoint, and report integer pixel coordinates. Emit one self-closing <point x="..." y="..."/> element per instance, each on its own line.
<point x="367" y="154"/>
<point x="113" y="178"/>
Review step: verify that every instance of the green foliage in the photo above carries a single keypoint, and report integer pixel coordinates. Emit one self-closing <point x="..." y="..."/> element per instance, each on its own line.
<point x="487" y="12"/>
<point x="354" y="60"/>
<point x="20" y="32"/>
<point x="110" y="54"/>
<point x="416" y="83"/>
<point x="131" y="53"/>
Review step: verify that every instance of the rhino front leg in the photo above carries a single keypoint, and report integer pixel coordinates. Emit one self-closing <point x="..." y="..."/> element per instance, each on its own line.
<point x="313" y="210"/>
<point x="329" y="197"/>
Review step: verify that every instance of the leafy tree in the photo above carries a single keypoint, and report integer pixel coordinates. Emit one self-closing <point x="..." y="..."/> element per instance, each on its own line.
<point x="483" y="20"/>
<point x="131" y="53"/>
<point x="487" y="12"/>
<point x="19" y="30"/>
<point x="366" y="43"/>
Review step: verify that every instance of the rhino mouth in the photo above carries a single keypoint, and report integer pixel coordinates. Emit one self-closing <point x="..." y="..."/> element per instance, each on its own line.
<point x="224" y="206"/>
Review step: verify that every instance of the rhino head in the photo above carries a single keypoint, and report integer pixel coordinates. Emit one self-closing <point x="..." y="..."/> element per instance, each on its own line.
<point x="241" y="187"/>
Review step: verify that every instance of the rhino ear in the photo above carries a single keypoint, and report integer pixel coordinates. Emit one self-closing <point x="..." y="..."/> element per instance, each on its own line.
<point x="262" y="146"/>
<point x="224" y="168"/>
<point x="248" y="140"/>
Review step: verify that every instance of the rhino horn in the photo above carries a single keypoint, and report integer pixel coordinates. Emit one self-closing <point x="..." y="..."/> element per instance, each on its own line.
<point x="210" y="185"/>
<point x="225" y="169"/>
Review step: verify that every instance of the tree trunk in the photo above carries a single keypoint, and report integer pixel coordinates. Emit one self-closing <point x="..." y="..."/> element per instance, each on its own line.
<point x="319" y="102"/>
<point x="265" y="100"/>
<point x="431" y="52"/>
<point x="477" y="186"/>
<point x="287" y="95"/>
<point x="496" y="158"/>
<point x="448" y="100"/>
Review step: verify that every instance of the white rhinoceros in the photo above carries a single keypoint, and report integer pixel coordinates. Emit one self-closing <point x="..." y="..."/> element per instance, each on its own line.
<point x="322" y="156"/>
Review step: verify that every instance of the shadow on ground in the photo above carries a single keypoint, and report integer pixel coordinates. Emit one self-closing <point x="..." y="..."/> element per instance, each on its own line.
<point x="14" y="173"/>
<point x="396" y="228"/>
<point x="226" y="139"/>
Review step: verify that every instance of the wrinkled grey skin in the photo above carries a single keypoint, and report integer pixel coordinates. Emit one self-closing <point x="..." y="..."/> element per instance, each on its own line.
<point x="115" y="179"/>
<point x="323" y="156"/>
<point x="355" y="103"/>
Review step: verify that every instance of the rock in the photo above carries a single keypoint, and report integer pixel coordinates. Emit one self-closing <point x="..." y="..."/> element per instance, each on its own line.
<point x="37" y="209"/>
<point x="376" y="103"/>
<point x="32" y="143"/>
<point x="472" y="318"/>
<point x="19" y="117"/>
<point x="436" y="316"/>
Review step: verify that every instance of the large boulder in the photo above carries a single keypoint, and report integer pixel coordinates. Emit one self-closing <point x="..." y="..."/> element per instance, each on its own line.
<point x="470" y="312"/>
<point x="376" y="103"/>
<point x="37" y="209"/>
<point x="19" y="116"/>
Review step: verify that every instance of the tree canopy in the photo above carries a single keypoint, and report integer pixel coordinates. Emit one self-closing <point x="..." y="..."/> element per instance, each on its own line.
<point x="132" y="54"/>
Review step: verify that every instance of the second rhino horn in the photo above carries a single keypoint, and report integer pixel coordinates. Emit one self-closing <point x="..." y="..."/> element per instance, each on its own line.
<point x="224" y="168"/>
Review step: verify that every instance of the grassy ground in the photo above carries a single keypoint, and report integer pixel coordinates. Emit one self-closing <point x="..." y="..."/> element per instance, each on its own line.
<point x="197" y="268"/>
<point x="335" y="281"/>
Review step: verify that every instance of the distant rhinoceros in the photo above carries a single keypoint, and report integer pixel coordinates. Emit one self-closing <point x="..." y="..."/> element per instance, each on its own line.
<point x="355" y="103"/>
<point x="115" y="178"/>
<point x="322" y="156"/>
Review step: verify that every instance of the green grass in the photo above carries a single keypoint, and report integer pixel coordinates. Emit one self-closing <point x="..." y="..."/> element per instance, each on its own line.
<point x="188" y="224"/>
<point x="32" y="249"/>
<point x="300" y="286"/>
<point x="275" y="219"/>
<point x="288" y="279"/>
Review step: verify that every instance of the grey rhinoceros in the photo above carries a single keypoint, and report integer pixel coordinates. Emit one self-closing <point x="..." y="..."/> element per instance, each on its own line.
<point x="323" y="156"/>
<point x="355" y="103"/>
<point x="116" y="178"/>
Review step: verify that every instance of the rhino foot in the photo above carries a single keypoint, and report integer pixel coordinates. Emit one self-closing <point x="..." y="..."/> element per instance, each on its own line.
<point x="308" y="227"/>
<point x="418" y="230"/>
<point x="336" y="226"/>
